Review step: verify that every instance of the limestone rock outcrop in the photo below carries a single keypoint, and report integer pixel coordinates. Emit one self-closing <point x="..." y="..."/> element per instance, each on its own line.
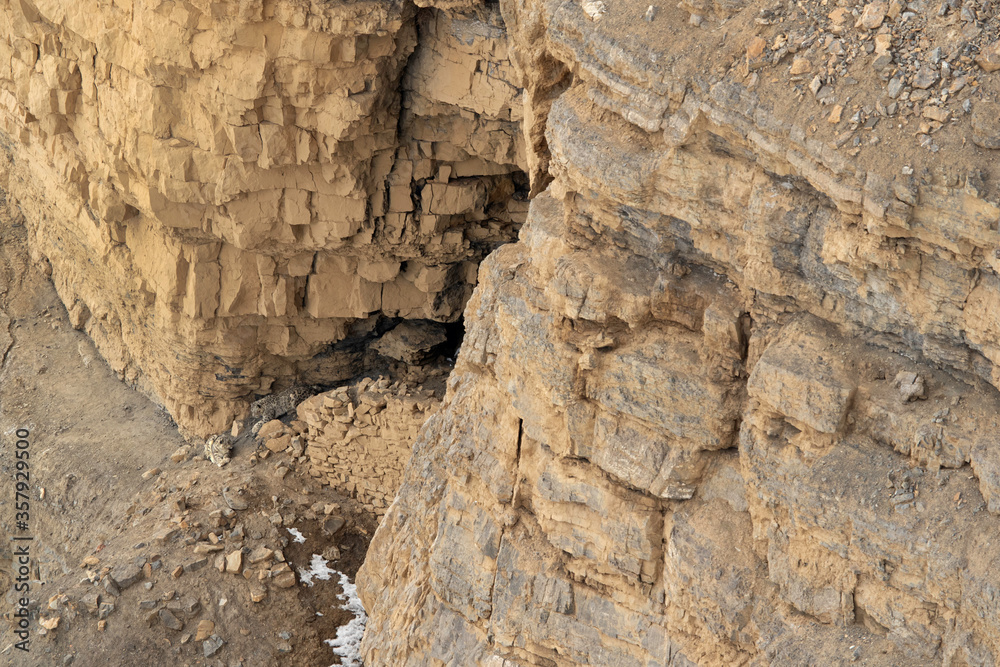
<point x="233" y="196"/>
<point x="730" y="400"/>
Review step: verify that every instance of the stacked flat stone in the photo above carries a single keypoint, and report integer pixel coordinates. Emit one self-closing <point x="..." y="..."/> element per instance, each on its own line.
<point x="359" y="437"/>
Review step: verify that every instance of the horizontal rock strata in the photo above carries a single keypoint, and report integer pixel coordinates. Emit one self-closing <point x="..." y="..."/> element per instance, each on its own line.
<point x="231" y="197"/>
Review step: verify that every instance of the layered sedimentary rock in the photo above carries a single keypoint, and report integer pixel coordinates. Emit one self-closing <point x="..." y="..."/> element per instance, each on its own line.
<point x="232" y="197"/>
<point x="732" y="397"/>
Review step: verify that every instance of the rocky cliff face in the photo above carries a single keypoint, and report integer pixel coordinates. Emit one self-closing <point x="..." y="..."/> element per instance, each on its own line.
<point x="732" y="396"/>
<point x="731" y="399"/>
<point x="234" y="197"/>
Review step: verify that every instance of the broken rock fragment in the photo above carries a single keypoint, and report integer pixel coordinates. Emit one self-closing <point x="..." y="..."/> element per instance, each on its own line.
<point x="873" y="15"/>
<point x="911" y="386"/>
<point x="412" y="342"/>
<point x="169" y="620"/>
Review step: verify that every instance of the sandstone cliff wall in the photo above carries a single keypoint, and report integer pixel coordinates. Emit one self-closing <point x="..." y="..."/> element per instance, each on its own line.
<point x="233" y="196"/>
<point x="732" y="397"/>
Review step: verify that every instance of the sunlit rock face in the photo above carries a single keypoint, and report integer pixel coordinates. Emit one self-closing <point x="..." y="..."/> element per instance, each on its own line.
<point x="729" y="399"/>
<point x="728" y="389"/>
<point x="234" y="197"/>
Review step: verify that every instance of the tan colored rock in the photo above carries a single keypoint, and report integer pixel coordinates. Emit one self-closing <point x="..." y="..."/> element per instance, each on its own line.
<point x="883" y="42"/>
<point x="205" y="630"/>
<point x="412" y="342"/>
<point x="258" y="593"/>
<point x="285" y="580"/>
<point x="278" y="445"/>
<point x="681" y="379"/>
<point x="873" y="14"/>
<point x="936" y="114"/>
<point x="755" y="52"/>
<point x="364" y="449"/>
<point x="271" y="429"/>
<point x="800" y="66"/>
<point x="839" y="19"/>
<point x="207" y="548"/>
<point x="795" y="378"/>
<point x="234" y="562"/>
<point x="230" y="220"/>
<point x="260" y="555"/>
<point x="673" y="435"/>
<point x="989" y="57"/>
<point x="181" y="454"/>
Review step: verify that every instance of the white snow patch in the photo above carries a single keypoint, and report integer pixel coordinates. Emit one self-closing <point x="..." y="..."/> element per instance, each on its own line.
<point x="347" y="644"/>
<point x="317" y="569"/>
<point x="296" y="534"/>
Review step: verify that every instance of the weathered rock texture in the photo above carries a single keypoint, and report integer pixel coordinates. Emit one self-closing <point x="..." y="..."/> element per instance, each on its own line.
<point x="687" y="424"/>
<point x="231" y="194"/>
<point x="731" y="398"/>
<point x="359" y="438"/>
